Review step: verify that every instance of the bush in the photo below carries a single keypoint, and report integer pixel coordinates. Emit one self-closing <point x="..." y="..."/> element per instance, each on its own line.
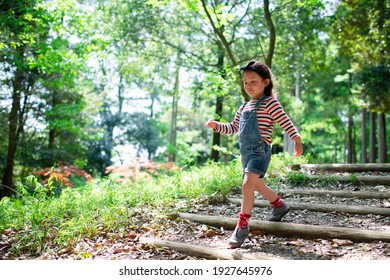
<point x="60" y="176"/>
<point x="140" y="170"/>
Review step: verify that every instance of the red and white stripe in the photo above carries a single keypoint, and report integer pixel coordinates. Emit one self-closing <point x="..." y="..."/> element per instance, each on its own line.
<point x="269" y="112"/>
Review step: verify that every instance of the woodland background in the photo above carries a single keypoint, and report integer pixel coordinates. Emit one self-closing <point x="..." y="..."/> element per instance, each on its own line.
<point x="93" y="84"/>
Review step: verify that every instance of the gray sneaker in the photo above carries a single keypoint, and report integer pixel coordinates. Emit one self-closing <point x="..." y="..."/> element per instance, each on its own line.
<point x="238" y="237"/>
<point x="278" y="213"/>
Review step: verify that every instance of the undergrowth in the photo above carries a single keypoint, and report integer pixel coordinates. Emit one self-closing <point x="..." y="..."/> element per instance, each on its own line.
<point x="40" y="222"/>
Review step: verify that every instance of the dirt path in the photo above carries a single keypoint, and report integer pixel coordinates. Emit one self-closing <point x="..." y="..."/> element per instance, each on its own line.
<point x="299" y="248"/>
<point x="150" y="224"/>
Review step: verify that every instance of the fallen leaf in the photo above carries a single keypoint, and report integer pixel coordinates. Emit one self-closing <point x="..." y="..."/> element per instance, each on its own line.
<point x="386" y="204"/>
<point x="342" y="241"/>
<point x="296" y="243"/>
<point x="257" y="232"/>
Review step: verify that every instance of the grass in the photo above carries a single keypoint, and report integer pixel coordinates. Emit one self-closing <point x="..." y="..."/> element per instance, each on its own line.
<point x="41" y="223"/>
<point x="297" y="178"/>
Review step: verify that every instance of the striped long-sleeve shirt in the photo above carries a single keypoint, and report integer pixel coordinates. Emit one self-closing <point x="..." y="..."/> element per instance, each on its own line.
<point x="269" y="111"/>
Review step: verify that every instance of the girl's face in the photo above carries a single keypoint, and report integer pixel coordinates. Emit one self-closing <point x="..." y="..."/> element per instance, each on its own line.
<point x="254" y="85"/>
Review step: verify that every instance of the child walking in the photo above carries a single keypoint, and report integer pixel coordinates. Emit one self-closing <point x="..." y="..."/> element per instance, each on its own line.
<point x="254" y="121"/>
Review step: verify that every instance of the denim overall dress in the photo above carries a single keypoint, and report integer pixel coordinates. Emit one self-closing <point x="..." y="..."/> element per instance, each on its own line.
<point x="255" y="153"/>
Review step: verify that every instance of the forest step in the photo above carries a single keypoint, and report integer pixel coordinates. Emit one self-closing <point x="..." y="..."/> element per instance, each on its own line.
<point x="293" y="230"/>
<point x="337" y="167"/>
<point x="366" y="180"/>
<point x="206" y="252"/>
<point x="344" y="194"/>
<point x="362" y="210"/>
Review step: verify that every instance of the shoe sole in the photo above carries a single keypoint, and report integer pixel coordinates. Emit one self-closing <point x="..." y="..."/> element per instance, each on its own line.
<point x="234" y="246"/>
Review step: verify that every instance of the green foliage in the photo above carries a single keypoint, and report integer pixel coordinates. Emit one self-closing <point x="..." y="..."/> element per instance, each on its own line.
<point x="297" y="178"/>
<point x="145" y="133"/>
<point x="375" y="84"/>
<point x="51" y="181"/>
<point x="354" y="179"/>
<point x="361" y="30"/>
<point x="279" y="167"/>
<point x="222" y="150"/>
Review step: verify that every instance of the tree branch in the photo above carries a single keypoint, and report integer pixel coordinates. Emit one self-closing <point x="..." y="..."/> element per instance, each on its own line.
<point x="272" y="34"/>
<point x="220" y="35"/>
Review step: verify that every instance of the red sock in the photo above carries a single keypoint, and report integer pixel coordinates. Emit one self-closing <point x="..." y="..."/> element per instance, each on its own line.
<point x="243" y="220"/>
<point x="278" y="202"/>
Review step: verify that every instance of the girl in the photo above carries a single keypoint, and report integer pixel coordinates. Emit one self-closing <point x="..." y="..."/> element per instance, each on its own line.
<point x="254" y="121"/>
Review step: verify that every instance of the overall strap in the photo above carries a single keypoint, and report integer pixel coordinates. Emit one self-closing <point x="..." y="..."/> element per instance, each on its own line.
<point x="242" y="107"/>
<point x="258" y="103"/>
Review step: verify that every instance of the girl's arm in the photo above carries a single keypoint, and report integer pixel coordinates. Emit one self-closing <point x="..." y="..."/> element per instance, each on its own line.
<point x="225" y="128"/>
<point x="298" y="147"/>
<point x="277" y="113"/>
<point x="275" y="110"/>
<point x="211" y="124"/>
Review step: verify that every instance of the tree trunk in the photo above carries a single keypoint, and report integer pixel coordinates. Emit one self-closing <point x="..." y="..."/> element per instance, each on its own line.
<point x="214" y="155"/>
<point x="294" y="230"/>
<point x="217" y="136"/>
<point x="382" y="150"/>
<point x="13" y="118"/>
<point x="172" y="134"/>
<point x="55" y="100"/>
<point x="349" y="140"/>
<point x="354" y="158"/>
<point x="364" y="136"/>
<point x="272" y="34"/>
<point x="361" y="210"/>
<point x="110" y="121"/>
<point x="372" y="136"/>
<point x="219" y="32"/>
<point x="48" y="160"/>
<point x="288" y="144"/>
<point x="350" y="123"/>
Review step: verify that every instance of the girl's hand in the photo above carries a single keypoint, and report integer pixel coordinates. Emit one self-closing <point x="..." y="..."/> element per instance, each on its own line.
<point x="211" y="124"/>
<point x="298" y="147"/>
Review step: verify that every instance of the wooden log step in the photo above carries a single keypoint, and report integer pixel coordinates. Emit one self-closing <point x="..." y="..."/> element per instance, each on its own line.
<point x="337" y="167"/>
<point x="362" y="210"/>
<point x="344" y="194"/>
<point x="207" y="253"/>
<point x="366" y="180"/>
<point x="294" y="230"/>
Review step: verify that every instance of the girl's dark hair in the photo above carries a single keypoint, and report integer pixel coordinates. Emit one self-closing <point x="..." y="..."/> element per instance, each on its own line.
<point x="263" y="71"/>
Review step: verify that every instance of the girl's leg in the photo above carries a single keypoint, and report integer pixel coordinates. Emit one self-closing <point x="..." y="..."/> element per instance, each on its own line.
<point x="248" y="198"/>
<point x="265" y="191"/>
<point x="280" y="207"/>
<point x="253" y="183"/>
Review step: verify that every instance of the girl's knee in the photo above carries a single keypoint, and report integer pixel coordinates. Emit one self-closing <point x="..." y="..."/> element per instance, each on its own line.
<point x="248" y="187"/>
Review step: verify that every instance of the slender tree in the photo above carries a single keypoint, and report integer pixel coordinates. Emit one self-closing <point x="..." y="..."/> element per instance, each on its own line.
<point x="22" y="22"/>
